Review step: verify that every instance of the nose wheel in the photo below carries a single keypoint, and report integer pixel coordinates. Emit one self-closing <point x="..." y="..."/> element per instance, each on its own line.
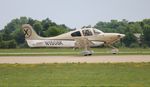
<point x="114" y="50"/>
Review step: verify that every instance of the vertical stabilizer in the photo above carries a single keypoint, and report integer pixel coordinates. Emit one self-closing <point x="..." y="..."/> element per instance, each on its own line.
<point x="29" y="32"/>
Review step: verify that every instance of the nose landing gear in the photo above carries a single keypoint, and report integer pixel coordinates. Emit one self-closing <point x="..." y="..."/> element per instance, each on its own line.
<point x="114" y="50"/>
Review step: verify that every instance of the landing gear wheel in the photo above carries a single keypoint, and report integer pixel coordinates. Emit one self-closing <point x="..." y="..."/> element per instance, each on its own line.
<point x="87" y="52"/>
<point x="114" y="51"/>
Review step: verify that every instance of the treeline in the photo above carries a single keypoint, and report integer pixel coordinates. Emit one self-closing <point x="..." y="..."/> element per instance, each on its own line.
<point x="12" y="35"/>
<point x="137" y="33"/>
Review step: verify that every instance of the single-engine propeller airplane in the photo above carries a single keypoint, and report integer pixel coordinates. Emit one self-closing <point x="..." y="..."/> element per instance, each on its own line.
<point x="79" y="38"/>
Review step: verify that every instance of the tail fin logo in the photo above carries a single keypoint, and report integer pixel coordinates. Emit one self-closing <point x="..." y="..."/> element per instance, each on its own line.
<point x="27" y="32"/>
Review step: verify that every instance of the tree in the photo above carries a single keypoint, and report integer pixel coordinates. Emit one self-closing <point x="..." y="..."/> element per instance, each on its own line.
<point x="146" y="34"/>
<point x="37" y="27"/>
<point x="12" y="44"/>
<point x="114" y="24"/>
<point x="6" y="35"/>
<point x="18" y="36"/>
<point x="31" y="21"/>
<point x="3" y="44"/>
<point x="46" y="24"/>
<point x="129" y="39"/>
<point x="52" y="31"/>
<point x="0" y="38"/>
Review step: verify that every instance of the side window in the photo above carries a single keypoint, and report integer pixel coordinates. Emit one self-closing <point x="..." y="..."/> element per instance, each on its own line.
<point x="76" y="34"/>
<point x="86" y="32"/>
<point x="96" y="32"/>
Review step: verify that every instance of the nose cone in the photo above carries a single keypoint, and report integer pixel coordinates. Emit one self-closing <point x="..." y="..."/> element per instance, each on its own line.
<point x="121" y="35"/>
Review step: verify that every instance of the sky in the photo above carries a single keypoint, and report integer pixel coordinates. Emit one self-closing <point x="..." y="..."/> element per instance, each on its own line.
<point x="74" y="13"/>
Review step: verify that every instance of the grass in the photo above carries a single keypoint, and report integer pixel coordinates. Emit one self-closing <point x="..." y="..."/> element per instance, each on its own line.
<point x="70" y="51"/>
<point x="75" y="75"/>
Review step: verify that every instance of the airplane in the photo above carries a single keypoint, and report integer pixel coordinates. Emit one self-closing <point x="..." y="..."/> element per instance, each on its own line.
<point x="85" y="38"/>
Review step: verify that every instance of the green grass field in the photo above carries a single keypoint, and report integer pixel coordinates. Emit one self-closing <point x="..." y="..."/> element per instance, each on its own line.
<point x="75" y="75"/>
<point x="70" y="51"/>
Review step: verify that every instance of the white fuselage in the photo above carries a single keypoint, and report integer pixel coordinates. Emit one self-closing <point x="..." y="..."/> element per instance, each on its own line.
<point x="57" y="43"/>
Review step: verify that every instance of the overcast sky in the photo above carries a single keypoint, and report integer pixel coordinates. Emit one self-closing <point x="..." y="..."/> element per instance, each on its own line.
<point x="74" y="13"/>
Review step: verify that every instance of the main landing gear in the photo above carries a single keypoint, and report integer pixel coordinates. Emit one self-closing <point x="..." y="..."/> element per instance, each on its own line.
<point x="87" y="52"/>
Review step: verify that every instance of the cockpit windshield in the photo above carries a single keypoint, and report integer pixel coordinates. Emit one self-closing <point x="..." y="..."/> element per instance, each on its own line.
<point x="96" y="31"/>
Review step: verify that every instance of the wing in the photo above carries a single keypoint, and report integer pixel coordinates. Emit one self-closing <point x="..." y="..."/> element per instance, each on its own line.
<point x="83" y="42"/>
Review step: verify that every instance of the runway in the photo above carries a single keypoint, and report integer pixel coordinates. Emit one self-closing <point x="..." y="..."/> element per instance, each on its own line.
<point x="74" y="59"/>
